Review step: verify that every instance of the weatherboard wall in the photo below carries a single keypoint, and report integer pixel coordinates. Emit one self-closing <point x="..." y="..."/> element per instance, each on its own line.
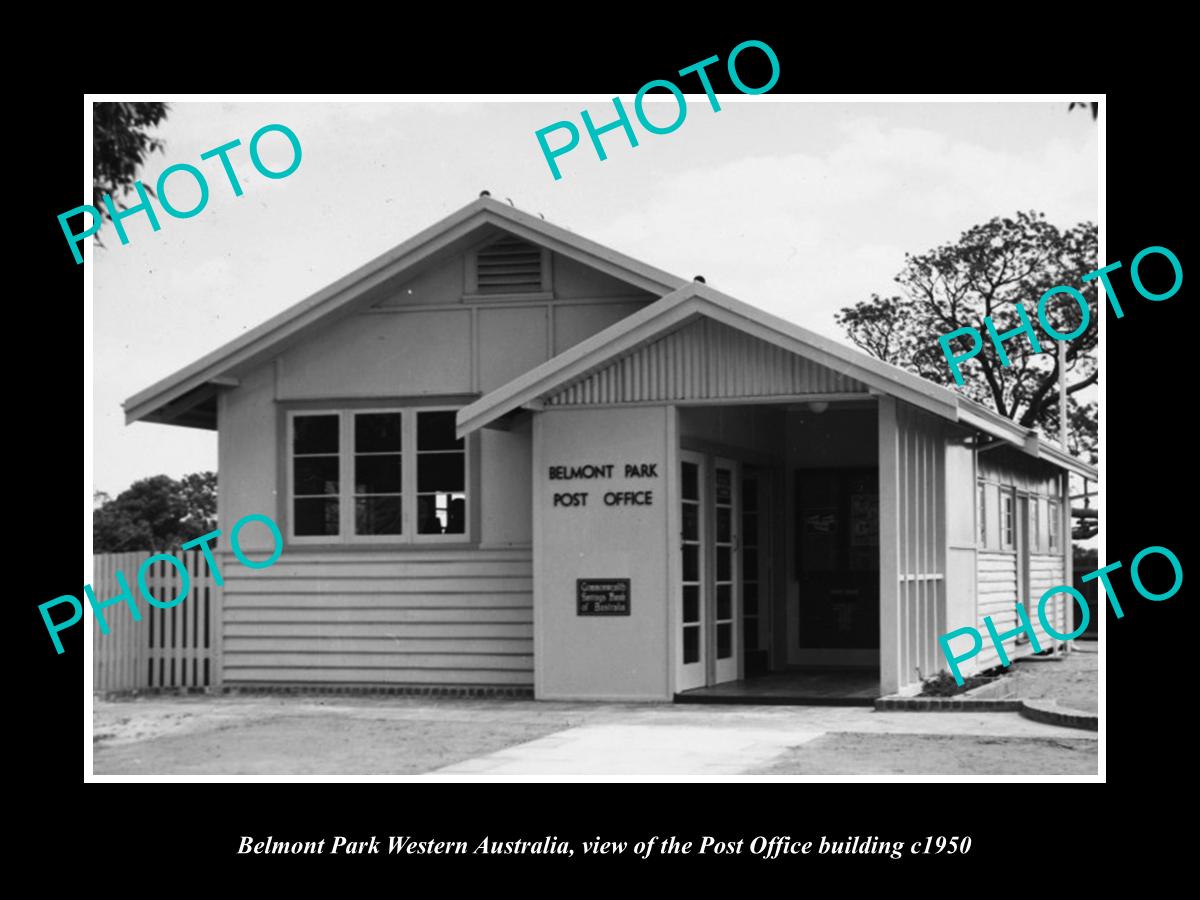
<point x="405" y="614"/>
<point x="1000" y="586"/>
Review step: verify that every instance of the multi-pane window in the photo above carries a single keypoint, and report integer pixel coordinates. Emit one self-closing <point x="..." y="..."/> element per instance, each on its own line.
<point x="1008" y="520"/>
<point x="690" y="617"/>
<point x="441" y="475"/>
<point x="1035" y="537"/>
<point x="355" y="476"/>
<point x="981" y="515"/>
<point x="750" y="574"/>
<point x="378" y="471"/>
<point x="1054" y="525"/>
<point x="316" y="476"/>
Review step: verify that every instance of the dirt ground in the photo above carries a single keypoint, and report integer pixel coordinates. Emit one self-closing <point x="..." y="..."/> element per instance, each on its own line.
<point x="1071" y="682"/>
<point x="307" y="736"/>
<point x="850" y="753"/>
<point x="270" y="736"/>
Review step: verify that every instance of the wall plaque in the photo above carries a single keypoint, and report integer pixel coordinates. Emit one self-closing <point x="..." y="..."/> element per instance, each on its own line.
<point x="602" y="596"/>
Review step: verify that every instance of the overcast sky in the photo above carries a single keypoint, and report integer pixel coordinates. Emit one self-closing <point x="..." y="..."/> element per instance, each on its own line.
<point x="798" y="208"/>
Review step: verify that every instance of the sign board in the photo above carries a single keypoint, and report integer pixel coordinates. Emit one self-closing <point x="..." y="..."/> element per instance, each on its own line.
<point x="602" y="596"/>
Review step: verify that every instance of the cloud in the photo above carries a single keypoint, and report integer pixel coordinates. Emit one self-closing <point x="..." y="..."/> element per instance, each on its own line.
<point x="803" y="234"/>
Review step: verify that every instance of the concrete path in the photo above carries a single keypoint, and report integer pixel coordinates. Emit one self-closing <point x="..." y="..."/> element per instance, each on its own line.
<point x="639" y="750"/>
<point x="723" y="741"/>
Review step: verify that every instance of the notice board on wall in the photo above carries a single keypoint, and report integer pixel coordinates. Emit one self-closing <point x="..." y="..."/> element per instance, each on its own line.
<point x="602" y="596"/>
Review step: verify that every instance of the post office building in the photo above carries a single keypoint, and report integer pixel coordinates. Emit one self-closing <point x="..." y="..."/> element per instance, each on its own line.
<point x="505" y="456"/>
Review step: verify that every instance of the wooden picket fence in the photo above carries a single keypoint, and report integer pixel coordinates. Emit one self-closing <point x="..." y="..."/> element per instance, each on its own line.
<point x="168" y="648"/>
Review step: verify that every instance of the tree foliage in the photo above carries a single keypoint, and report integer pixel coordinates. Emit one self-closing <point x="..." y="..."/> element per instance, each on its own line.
<point x="120" y="144"/>
<point x="986" y="272"/>
<point x="156" y="513"/>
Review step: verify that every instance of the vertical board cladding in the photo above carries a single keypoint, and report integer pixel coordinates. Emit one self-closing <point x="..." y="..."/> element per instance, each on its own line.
<point x="922" y="541"/>
<point x="912" y="544"/>
<point x="704" y="360"/>
<point x="961" y="564"/>
<point x="417" y="617"/>
<point x="625" y="657"/>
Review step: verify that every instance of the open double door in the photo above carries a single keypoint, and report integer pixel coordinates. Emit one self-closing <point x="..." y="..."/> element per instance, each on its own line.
<point x="709" y="644"/>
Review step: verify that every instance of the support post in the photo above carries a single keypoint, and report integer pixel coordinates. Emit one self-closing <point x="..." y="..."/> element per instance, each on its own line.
<point x="1068" y="549"/>
<point x="889" y="548"/>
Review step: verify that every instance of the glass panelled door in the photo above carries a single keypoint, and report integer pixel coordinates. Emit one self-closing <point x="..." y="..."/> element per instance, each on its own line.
<point x="692" y="658"/>
<point x="726" y="625"/>
<point x="710" y="641"/>
<point x="755" y="588"/>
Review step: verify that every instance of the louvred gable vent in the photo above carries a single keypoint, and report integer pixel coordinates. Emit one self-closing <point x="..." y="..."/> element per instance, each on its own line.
<point x="509" y="266"/>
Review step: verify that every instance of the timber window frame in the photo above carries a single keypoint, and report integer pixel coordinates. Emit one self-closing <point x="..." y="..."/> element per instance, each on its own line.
<point x="1035" y="532"/>
<point x="414" y="493"/>
<point x="1008" y="518"/>
<point x="981" y="530"/>
<point x="1054" y="523"/>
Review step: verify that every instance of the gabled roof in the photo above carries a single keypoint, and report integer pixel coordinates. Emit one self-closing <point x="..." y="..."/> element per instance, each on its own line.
<point x="695" y="299"/>
<point x="186" y="397"/>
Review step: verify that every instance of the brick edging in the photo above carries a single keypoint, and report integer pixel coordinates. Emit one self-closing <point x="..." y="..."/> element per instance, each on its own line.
<point x="945" y="704"/>
<point x="374" y="690"/>
<point x="1049" y="712"/>
<point x="1045" y="711"/>
<point x="504" y="691"/>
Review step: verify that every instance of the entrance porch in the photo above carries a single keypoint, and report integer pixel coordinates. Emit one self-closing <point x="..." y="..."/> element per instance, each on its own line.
<point x="779" y="564"/>
<point x="824" y="686"/>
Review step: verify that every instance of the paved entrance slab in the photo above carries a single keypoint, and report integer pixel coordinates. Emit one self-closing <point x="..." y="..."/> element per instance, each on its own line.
<point x="796" y="687"/>
<point x="640" y="750"/>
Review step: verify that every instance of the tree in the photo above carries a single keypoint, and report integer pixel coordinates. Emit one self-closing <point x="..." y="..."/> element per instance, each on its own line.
<point x="199" y="493"/>
<point x="986" y="272"/>
<point x="120" y="144"/>
<point x="156" y="513"/>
